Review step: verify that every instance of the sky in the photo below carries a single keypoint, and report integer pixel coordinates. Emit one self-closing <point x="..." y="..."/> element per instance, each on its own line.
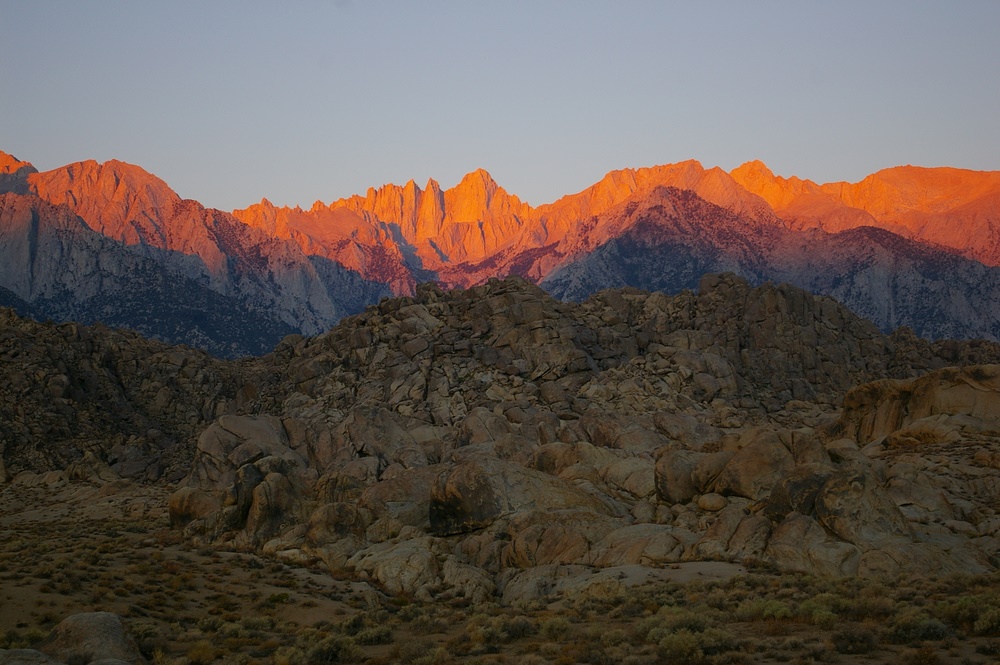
<point x="299" y="101"/>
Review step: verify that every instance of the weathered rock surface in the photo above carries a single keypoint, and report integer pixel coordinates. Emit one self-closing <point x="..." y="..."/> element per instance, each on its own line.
<point x="92" y="636"/>
<point x="496" y="442"/>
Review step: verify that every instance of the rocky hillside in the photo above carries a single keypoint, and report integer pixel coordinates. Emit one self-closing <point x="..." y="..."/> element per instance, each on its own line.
<point x="73" y="394"/>
<point x="498" y="443"/>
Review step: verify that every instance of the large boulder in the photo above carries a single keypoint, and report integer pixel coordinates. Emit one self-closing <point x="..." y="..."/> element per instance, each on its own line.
<point x="189" y="503"/>
<point x="877" y="409"/>
<point x="800" y="544"/>
<point x="673" y="473"/>
<point x="761" y="462"/>
<point x="472" y="495"/>
<point x="93" y="636"/>
<point x="857" y="509"/>
<point x="233" y="441"/>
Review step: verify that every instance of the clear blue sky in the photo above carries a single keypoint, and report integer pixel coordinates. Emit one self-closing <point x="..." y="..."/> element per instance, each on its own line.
<point x="298" y="101"/>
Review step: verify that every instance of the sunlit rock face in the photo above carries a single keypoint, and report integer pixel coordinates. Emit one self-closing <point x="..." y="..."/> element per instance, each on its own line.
<point x="905" y="247"/>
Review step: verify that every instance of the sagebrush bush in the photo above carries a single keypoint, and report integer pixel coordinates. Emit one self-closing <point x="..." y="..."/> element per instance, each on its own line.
<point x="680" y="647"/>
<point x="914" y="626"/>
<point x="988" y="623"/>
<point x="202" y="653"/>
<point x="854" y="640"/>
<point x="554" y="628"/>
<point x="374" y="635"/>
<point x="334" y="649"/>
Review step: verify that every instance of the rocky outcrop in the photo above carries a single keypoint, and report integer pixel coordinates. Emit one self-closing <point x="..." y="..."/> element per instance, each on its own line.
<point x="99" y="396"/>
<point x="451" y="442"/>
<point x="14" y="174"/>
<point x="94" y="636"/>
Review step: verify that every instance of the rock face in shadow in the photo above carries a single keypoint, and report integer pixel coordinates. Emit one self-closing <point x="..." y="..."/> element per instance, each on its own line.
<point x="449" y="442"/>
<point x="498" y="443"/>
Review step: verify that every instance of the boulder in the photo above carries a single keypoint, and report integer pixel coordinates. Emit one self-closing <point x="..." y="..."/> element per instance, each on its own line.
<point x="541" y="537"/>
<point x="673" y="473"/>
<point x="400" y="567"/>
<point x="800" y="544"/>
<point x="645" y="544"/>
<point x="94" y="636"/>
<point x="880" y="408"/>
<point x="687" y="430"/>
<point x="857" y="509"/>
<point x="233" y="441"/>
<point x="188" y="504"/>
<point x="474" y="494"/>
<point x="754" y="470"/>
<point x="406" y="497"/>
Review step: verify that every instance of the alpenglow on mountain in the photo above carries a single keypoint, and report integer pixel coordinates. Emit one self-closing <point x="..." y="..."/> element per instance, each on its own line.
<point x="112" y="243"/>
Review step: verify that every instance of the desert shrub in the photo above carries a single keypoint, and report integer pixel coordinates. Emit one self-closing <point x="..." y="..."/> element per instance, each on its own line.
<point x="988" y="649"/>
<point x="520" y="626"/>
<point x="822" y="618"/>
<point x="275" y="599"/>
<point x="915" y="626"/>
<point x="680" y="647"/>
<point x="554" y="628"/>
<point x="414" y="650"/>
<point x="761" y="609"/>
<point x="11" y="639"/>
<point x="289" y="656"/>
<point x="257" y="623"/>
<point x="853" y="639"/>
<point x="436" y="656"/>
<point x="674" y="619"/>
<point x="925" y="655"/>
<point x="334" y="649"/>
<point x="374" y="635"/>
<point x="873" y="607"/>
<point x="352" y="625"/>
<point x="202" y="653"/>
<point x="209" y="624"/>
<point x="988" y="623"/>
<point x="613" y="637"/>
<point x="496" y="630"/>
<point x="716" y="641"/>
<point x="426" y="624"/>
<point x="412" y="612"/>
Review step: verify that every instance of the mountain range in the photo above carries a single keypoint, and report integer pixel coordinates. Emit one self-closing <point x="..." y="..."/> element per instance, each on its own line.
<point x="906" y="246"/>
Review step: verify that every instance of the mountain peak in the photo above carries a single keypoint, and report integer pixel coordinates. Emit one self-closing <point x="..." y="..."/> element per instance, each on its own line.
<point x="479" y="177"/>
<point x="14" y="174"/>
<point x="754" y="167"/>
<point x="11" y="164"/>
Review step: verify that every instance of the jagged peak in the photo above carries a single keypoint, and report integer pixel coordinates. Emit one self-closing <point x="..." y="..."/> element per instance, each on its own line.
<point x="11" y="164"/>
<point x="755" y="167"/>
<point x="478" y="177"/>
